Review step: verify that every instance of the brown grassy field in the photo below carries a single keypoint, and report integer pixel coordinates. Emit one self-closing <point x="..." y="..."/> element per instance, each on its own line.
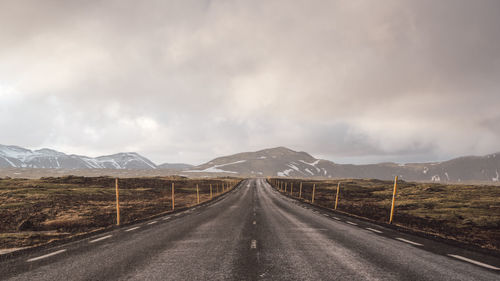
<point x="466" y="213"/>
<point x="37" y="211"/>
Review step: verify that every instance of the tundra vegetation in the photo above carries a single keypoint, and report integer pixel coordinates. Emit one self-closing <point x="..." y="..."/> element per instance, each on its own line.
<point x="37" y="211"/>
<point x="465" y="213"/>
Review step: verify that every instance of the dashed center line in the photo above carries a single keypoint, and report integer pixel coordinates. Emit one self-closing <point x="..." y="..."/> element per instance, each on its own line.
<point x="254" y="222"/>
<point x="100" y="239"/>
<point x="336" y="218"/>
<point x="47" y="255"/>
<point x="352" y="223"/>
<point x="408" y="241"/>
<point x="474" y="262"/>
<point x="253" y="245"/>
<point x="374" y="230"/>
<point x="153" y="222"/>
<point x="326" y="215"/>
<point x="166" y="218"/>
<point x="133" y="228"/>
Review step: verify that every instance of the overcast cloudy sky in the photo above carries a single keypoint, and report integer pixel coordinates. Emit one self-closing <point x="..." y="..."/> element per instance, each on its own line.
<point x="185" y="81"/>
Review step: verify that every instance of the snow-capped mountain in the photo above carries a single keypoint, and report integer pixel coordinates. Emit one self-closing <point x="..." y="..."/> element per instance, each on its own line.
<point x="279" y="161"/>
<point x="18" y="157"/>
<point x="284" y="162"/>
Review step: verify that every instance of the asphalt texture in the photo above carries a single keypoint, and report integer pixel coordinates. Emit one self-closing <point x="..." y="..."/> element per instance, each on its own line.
<point x="253" y="233"/>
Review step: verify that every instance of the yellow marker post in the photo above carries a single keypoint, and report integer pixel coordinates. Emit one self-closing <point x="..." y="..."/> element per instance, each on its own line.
<point x="337" y="197"/>
<point x="314" y="190"/>
<point x="223" y="188"/>
<point x="300" y="190"/>
<point x="117" y="203"/>
<point x="217" y="189"/>
<point x="291" y="189"/>
<point x="393" y="198"/>
<point x="285" y="186"/>
<point x="210" y="191"/>
<point x="173" y="197"/>
<point x="197" y="194"/>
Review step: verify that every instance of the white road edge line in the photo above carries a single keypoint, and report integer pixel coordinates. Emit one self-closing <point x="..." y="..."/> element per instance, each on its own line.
<point x="352" y="223"/>
<point x="474" y="262"/>
<point x="166" y="218"/>
<point x="408" y="241"/>
<point x="133" y="228"/>
<point x="374" y="230"/>
<point x="254" y="244"/>
<point x="101" y="238"/>
<point x="153" y="222"/>
<point x="47" y="255"/>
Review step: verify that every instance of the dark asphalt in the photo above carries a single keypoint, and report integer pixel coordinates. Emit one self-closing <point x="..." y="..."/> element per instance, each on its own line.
<point x="254" y="233"/>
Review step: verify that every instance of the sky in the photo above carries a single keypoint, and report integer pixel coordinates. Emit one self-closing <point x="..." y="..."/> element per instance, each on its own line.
<point x="186" y="81"/>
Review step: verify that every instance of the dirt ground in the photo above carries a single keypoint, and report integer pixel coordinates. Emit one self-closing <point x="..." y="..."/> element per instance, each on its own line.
<point x="466" y="213"/>
<point x="37" y="211"/>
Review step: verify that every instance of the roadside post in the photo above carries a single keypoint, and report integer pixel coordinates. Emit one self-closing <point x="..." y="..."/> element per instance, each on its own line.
<point x="300" y="190"/>
<point x="393" y="198"/>
<point x="197" y="194"/>
<point x="173" y="196"/>
<point x="314" y="190"/>
<point x="117" y="203"/>
<point x="337" y="197"/>
<point x="210" y="191"/>
<point x="291" y="189"/>
<point x="285" y="186"/>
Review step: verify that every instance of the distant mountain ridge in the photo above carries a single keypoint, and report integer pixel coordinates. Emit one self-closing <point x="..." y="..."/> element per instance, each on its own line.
<point x="18" y="157"/>
<point x="284" y="162"/>
<point x="279" y="161"/>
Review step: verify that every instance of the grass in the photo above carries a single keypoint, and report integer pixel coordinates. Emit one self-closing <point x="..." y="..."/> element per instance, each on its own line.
<point x="38" y="211"/>
<point x="467" y="213"/>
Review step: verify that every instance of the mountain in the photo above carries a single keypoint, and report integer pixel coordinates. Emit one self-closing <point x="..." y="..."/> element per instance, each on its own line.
<point x="175" y="166"/>
<point x="279" y="161"/>
<point x="18" y="157"/>
<point x="284" y="162"/>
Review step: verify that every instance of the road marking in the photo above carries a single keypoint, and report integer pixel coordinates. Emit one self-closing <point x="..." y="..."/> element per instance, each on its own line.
<point x="254" y="222"/>
<point x="101" y="238"/>
<point x="47" y="255"/>
<point x="153" y="222"/>
<point x="178" y="214"/>
<point x="474" y="262"/>
<point x="254" y="244"/>
<point x="374" y="230"/>
<point x="350" y="222"/>
<point x="166" y="218"/>
<point x="326" y="215"/>
<point x="133" y="228"/>
<point x="336" y="218"/>
<point x="408" y="241"/>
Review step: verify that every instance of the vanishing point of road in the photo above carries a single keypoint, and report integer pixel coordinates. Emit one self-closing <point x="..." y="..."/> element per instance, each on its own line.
<point x="252" y="233"/>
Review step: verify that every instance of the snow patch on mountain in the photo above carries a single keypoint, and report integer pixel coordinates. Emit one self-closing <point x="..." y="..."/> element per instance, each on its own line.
<point x="285" y="173"/>
<point x="215" y="168"/>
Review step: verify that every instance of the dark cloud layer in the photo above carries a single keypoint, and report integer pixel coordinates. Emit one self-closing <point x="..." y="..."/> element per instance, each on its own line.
<point x="350" y="81"/>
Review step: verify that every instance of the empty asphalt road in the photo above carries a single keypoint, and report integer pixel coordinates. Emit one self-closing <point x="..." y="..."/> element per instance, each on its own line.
<point x="254" y="233"/>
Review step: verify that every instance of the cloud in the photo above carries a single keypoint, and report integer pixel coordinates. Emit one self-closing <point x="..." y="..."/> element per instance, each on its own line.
<point x="185" y="81"/>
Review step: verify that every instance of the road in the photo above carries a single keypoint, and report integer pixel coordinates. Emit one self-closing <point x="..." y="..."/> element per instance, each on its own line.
<point x="254" y="233"/>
